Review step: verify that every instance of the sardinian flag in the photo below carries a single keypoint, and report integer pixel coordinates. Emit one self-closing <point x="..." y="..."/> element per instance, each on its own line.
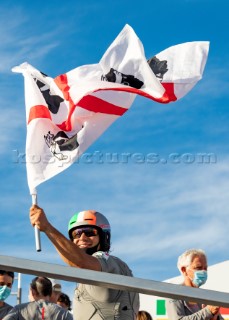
<point x="65" y="115"/>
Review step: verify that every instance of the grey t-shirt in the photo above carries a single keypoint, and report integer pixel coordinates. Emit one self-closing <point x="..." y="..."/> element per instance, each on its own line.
<point x="39" y="310"/>
<point x="4" y="310"/>
<point x="97" y="303"/>
<point x="179" y="309"/>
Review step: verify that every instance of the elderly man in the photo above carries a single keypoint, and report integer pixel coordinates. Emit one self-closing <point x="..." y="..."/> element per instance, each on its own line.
<point x="193" y="266"/>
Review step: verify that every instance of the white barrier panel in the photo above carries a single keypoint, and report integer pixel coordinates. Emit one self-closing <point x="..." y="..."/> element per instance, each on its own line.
<point x="114" y="281"/>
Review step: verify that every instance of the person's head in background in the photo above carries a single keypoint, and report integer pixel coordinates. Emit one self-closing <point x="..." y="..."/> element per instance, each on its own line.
<point x="64" y="301"/>
<point x="6" y="283"/>
<point x="193" y="266"/>
<point x="56" y="290"/>
<point x="40" y="288"/>
<point x="143" y="315"/>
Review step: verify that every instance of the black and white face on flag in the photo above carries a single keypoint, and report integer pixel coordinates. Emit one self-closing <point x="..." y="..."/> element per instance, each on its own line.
<point x="53" y="101"/>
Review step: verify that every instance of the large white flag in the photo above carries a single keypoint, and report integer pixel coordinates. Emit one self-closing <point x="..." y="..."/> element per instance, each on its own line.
<point x="67" y="114"/>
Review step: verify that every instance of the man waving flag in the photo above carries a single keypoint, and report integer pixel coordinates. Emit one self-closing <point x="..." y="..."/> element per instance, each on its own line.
<point x="65" y="115"/>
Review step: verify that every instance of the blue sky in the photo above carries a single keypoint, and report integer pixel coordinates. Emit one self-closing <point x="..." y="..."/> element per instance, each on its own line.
<point x="157" y="210"/>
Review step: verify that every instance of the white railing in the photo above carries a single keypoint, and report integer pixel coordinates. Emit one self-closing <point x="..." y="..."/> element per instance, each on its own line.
<point x="18" y="293"/>
<point x="114" y="281"/>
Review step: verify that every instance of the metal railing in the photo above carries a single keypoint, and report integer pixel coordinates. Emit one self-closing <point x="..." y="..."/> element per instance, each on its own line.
<point x="114" y="281"/>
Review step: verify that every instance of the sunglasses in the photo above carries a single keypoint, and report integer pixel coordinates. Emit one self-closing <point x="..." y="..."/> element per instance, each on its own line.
<point x="89" y="232"/>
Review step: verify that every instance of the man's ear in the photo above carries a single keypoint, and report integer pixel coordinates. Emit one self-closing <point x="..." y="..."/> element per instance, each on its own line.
<point x="33" y="292"/>
<point x="183" y="270"/>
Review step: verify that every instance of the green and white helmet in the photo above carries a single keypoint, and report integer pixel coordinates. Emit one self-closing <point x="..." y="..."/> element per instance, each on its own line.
<point x="94" y="219"/>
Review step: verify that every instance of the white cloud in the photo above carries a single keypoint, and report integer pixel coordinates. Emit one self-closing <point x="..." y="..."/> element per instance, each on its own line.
<point x="17" y="42"/>
<point x="158" y="211"/>
<point x="214" y="84"/>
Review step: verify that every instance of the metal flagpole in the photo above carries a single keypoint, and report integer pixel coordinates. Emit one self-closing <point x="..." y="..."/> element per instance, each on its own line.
<point x="36" y="230"/>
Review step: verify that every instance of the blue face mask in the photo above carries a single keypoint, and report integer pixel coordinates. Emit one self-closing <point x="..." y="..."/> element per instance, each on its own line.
<point x="200" y="277"/>
<point x="4" y="292"/>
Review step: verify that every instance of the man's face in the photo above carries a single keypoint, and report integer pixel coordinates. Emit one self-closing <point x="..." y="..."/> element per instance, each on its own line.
<point x="85" y="237"/>
<point x="6" y="280"/>
<point x="198" y="263"/>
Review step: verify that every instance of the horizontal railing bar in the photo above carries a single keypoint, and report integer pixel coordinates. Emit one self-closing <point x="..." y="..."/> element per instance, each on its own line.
<point x="114" y="281"/>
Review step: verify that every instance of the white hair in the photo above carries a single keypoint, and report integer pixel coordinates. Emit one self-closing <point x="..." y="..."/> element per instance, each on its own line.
<point x="186" y="258"/>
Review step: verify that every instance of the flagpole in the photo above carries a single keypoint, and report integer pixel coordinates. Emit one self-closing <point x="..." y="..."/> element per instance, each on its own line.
<point x="36" y="230"/>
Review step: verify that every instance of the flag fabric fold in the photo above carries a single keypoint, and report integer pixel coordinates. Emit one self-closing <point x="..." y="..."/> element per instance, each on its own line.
<point x="65" y="115"/>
